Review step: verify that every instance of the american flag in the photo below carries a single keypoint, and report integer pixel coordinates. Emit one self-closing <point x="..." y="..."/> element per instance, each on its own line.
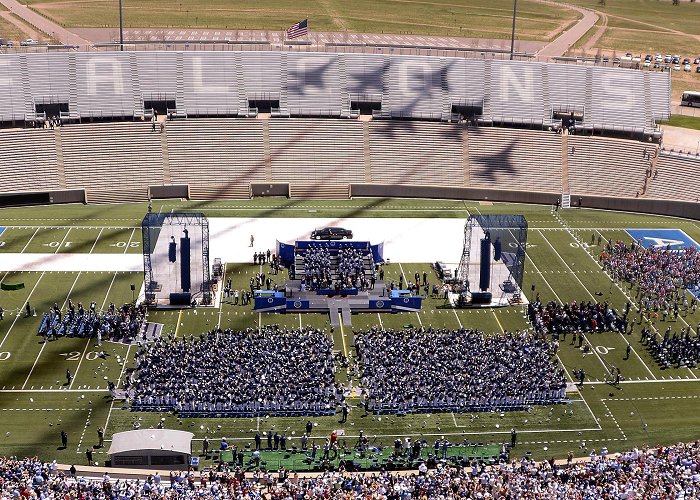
<point x="299" y="29"/>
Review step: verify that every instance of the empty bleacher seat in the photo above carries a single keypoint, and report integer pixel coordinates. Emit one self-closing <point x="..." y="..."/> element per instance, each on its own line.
<point x="112" y="156"/>
<point x="28" y="161"/>
<point x="503" y="158"/>
<point x="418" y="153"/>
<point x="606" y="167"/>
<point x="317" y="151"/>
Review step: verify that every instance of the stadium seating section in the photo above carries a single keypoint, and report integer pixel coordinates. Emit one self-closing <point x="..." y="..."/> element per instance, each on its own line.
<point x="217" y="148"/>
<point x="221" y="158"/>
<point x="231" y="83"/>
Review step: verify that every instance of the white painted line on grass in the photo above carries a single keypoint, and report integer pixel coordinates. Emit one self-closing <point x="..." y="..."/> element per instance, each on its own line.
<point x="47" y="338"/>
<point x="98" y="237"/>
<point x="19" y="314"/>
<point x="30" y="240"/>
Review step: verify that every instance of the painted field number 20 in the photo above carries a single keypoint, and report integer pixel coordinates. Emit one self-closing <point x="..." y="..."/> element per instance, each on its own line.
<point x="75" y="355"/>
<point x="123" y="244"/>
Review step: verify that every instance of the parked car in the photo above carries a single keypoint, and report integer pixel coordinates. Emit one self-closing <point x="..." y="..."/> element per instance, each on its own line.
<point x="606" y="59"/>
<point x="687" y="68"/>
<point x="28" y="41"/>
<point x="647" y="64"/>
<point x="331" y="233"/>
<point x="676" y="67"/>
<point x="659" y="58"/>
<point x="697" y="60"/>
<point x="686" y="60"/>
<point x="668" y="58"/>
<point x="697" y="70"/>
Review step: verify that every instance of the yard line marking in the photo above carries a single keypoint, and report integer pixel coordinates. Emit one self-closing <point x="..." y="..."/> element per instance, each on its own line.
<point x="594" y="299"/>
<point x="579" y="392"/>
<point x="179" y="318"/>
<point x="637" y="307"/>
<point x="87" y="423"/>
<point x="19" y="313"/>
<point x="406" y="282"/>
<point x="342" y="337"/>
<point x="104" y="302"/>
<point x="46" y="391"/>
<point x="614" y="420"/>
<point x="30" y="240"/>
<point x="381" y="325"/>
<point x="624" y="294"/>
<point x="220" y="292"/>
<point x="75" y="375"/>
<point x="567" y="266"/>
<point x="47" y="339"/>
<point x="95" y="243"/>
<point x="497" y="321"/>
<point x="457" y="316"/>
<point x="63" y="240"/>
<point x="126" y="360"/>
<point x="87" y="343"/>
<point x="109" y="414"/>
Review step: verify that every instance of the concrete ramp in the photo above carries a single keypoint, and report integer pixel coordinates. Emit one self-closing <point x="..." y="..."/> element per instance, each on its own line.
<point x="335" y="317"/>
<point x="347" y="316"/>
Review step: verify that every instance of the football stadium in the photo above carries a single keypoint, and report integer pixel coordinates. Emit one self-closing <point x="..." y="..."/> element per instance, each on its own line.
<point x="347" y="250"/>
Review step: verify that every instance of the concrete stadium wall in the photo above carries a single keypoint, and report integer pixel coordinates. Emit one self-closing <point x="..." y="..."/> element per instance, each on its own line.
<point x="436" y="192"/>
<point x="684" y="209"/>
<point x="656" y="207"/>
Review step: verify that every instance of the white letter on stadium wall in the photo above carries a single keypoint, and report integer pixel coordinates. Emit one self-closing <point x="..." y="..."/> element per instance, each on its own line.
<point x="517" y="83"/>
<point x="198" y="78"/>
<point x="110" y="74"/>
<point x="5" y="78"/>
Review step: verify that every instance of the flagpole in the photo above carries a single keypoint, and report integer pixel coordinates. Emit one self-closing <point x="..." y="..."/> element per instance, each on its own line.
<point x="512" y="33"/>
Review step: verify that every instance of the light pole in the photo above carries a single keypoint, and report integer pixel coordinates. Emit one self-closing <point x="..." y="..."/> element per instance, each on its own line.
<point x="512" y="33"/>
<point x="121" y="28"/>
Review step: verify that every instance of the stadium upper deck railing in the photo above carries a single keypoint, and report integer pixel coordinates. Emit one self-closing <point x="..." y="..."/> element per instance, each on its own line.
<point x="327" y="47"/>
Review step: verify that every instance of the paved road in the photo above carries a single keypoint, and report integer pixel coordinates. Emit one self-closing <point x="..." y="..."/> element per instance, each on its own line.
<point x="84" y="37"/>
<point x="40" y="23"/>
<point x="563" y="42"/>
<point x="315" y="39"/>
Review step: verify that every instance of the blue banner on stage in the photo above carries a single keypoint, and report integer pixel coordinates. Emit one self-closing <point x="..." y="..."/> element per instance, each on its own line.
<point x="674" y="239"/>
<point x="269" y="300"/>
<point x="297" y="304"/>
<point x="380" y="304"/>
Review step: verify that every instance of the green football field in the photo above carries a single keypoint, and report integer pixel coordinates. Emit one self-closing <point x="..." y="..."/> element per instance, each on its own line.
<point x="651" y="406"/>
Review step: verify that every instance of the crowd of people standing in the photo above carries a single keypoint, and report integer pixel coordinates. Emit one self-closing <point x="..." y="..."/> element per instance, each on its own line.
<point x="560" y="319"/>
<point x="116" y="323"/>
<point x="639" y="473"/>
<point x="660" y="274"/>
